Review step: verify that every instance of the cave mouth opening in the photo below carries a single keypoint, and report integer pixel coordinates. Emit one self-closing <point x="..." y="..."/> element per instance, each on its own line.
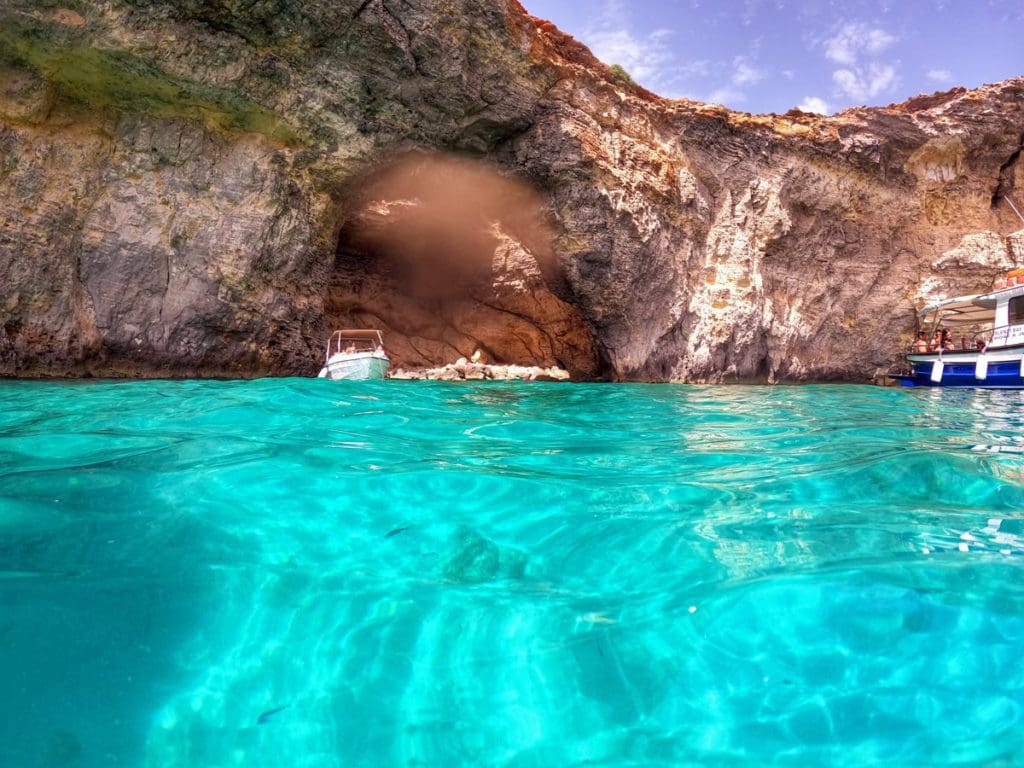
<point x="450" y="257"/>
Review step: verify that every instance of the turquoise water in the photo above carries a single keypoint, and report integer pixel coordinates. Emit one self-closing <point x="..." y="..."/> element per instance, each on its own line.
<point x="323" y="574"/>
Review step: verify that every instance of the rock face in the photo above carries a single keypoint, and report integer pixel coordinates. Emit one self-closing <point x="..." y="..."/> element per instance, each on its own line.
<point x="182" y="184"/>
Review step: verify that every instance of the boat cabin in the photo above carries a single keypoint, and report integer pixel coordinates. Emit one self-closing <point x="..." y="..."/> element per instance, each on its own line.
<point x="996" y="318"/>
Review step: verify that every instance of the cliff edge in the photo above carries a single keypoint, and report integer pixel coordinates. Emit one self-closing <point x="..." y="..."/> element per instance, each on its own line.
<point x="192" y="188"/>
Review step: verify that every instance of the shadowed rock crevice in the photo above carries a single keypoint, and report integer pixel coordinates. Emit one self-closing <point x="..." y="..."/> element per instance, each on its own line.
<point x="1006" y="184"/>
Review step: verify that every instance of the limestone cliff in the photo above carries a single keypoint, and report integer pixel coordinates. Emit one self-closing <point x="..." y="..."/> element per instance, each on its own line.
<point x="183" y="191"/>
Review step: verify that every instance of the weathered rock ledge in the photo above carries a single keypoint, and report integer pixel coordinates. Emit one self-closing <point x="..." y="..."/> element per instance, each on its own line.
<point x="184" y="188"/>
<point x="462" y="370"/>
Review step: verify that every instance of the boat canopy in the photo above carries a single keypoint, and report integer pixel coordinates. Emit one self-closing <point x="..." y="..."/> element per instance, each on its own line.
<point x="359" y="339"/>
<point x="961" y="311"/>
<point x="360" y="333"/>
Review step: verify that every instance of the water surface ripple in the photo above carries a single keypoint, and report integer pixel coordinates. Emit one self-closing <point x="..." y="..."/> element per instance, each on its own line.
<point x="319" y="574"/>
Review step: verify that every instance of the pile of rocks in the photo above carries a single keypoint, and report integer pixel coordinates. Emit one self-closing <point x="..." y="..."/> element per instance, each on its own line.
<point x="466" y="370"/>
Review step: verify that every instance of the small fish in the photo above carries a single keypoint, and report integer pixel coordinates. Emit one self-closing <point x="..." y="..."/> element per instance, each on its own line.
<point x="265" y="717"/>
<point x="396" y="531"/>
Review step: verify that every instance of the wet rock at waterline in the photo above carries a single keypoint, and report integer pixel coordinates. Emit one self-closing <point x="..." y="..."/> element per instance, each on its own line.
<point x="461" y="370"/>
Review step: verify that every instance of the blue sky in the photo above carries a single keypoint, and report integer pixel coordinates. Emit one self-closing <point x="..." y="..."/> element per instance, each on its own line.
<point x="822" y="56"/>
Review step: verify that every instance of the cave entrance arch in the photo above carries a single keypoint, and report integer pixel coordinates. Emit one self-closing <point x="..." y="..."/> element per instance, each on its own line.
<point x="450" y="257"/>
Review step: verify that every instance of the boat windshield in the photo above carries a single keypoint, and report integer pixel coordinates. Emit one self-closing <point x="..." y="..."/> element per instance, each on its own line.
<point x="354" y="341"/>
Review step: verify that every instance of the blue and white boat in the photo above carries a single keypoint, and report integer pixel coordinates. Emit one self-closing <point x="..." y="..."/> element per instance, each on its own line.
<point x="986" y="335"/>
<point x="356" y="355"/>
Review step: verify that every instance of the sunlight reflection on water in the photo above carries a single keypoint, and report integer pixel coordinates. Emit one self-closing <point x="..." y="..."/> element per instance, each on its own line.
<point x="310" y="573"/>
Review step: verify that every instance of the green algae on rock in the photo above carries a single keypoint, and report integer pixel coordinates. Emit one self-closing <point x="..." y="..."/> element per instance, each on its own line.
<point x="118" y="80"/>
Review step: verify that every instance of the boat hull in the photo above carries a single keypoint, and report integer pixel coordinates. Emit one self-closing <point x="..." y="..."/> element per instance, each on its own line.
<point x="1004" y="370"/>
<point x="359" y="366"/>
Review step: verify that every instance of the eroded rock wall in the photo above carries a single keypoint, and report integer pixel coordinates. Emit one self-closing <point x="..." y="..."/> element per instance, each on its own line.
<point x="177" y="178"/>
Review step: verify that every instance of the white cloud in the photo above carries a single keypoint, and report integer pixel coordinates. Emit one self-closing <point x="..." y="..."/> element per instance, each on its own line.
<point x="727" y="97"/>
<point x="813" y="104"/>
<point x="744" y="73"/>
<point x="864" y="75"/>
<point x="941" y="76"/>
<point x="864" y="83"/>
<point x="640" y="58"/>
<point x="699" y="68"/>
<point x="877" y="41"/>
<point x="649" y="59"/>
<point x="849" y="84"/>
<point x="855" y="39"/>
<point x="611" y="40"/>
<point x="675" y="81"/>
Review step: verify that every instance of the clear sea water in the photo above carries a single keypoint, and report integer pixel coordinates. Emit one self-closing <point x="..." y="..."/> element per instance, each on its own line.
<point x="321" y="575"/>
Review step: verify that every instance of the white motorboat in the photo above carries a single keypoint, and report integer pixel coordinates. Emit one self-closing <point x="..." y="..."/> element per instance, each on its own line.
<point x="355" y="355"/>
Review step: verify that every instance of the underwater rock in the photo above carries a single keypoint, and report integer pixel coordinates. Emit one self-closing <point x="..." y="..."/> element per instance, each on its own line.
<point x="474" y="559"/>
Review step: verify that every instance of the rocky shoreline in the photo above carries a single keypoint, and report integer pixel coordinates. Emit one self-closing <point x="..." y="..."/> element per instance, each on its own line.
<point x="466" y="370"/>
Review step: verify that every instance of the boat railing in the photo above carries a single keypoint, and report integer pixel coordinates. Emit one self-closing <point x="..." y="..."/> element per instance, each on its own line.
<point x="963" y="342"/>
<point x="977" y="341"/>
